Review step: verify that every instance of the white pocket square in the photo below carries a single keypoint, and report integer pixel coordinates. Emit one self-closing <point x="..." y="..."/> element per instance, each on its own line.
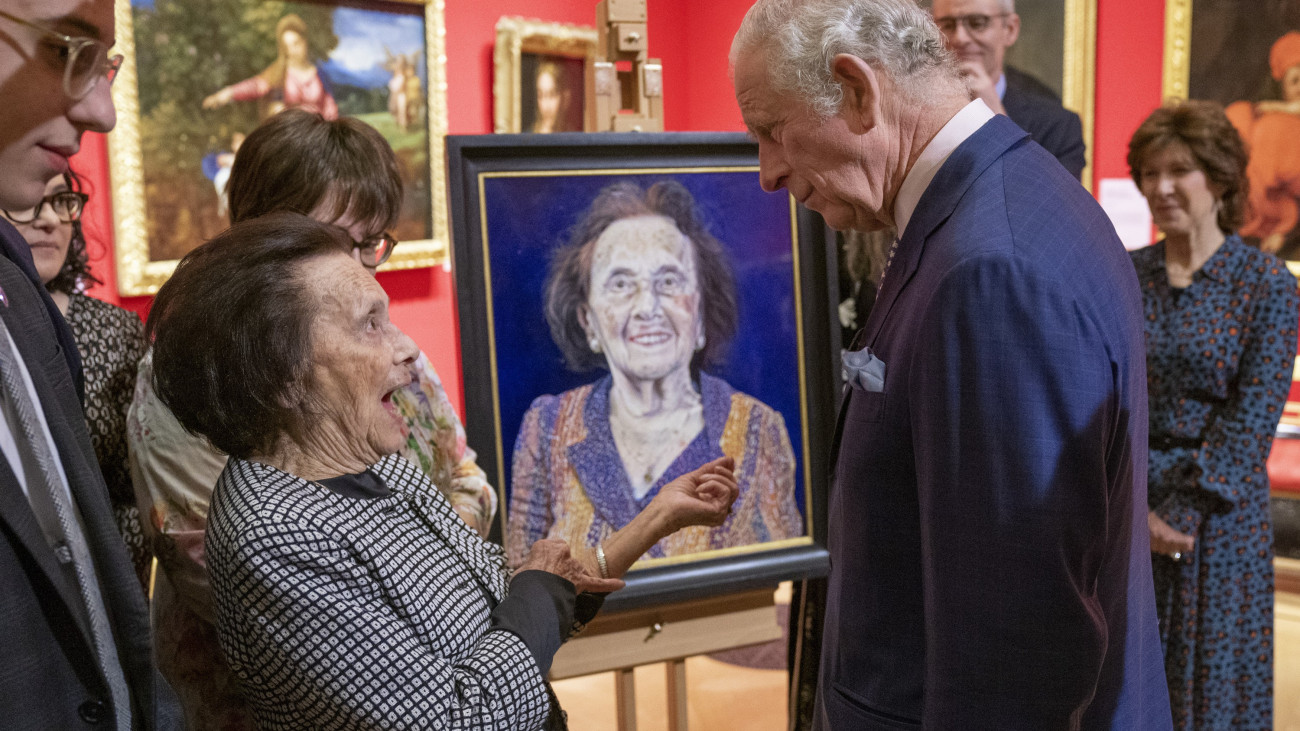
<point x="862" y="369"/>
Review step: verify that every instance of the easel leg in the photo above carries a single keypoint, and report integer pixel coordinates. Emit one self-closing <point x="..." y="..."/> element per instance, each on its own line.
<point x="625" y="699"/>
<point x="677" y="716"/>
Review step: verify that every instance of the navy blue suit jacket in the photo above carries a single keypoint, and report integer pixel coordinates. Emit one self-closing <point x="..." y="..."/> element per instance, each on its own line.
<point x="49" y="678"/>
<point x="15" y="248"/>
<point x="989" y="549"/>
<point x="1037" y="109"/>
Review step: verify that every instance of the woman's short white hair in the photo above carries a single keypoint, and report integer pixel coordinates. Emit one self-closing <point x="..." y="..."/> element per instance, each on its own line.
<point x="802" y="37"/>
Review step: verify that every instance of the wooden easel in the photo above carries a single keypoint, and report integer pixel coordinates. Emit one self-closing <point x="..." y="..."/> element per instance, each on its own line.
<point x="632" y="99"/>
<point x="622" y="641"/>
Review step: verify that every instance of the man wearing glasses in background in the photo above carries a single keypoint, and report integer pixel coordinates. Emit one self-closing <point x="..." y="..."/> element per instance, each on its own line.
<point x="979" y="32"/>
<point x="75" y="651"/>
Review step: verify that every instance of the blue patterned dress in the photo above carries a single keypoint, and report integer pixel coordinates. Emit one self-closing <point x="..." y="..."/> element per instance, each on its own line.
<point x="1219" y="358"/>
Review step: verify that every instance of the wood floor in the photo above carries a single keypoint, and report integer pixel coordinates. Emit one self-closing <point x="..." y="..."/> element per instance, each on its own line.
<point x="724" y="696"/>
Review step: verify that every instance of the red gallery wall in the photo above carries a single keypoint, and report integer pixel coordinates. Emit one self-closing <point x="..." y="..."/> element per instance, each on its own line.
<point x="692" y="38"/>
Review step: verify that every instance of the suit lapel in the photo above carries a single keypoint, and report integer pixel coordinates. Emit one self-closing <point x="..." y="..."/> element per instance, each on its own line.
<point x="15" y="510"/>
<point x="971" y="158"/>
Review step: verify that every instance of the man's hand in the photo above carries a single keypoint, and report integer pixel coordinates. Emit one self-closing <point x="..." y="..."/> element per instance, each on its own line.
<point x="983" y="87"/>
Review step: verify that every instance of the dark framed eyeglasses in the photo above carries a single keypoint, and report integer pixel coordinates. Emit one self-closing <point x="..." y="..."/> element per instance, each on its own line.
<point x="85" y="60"/>
<point x="66" y="204"/>
<point x="376" y="249"/>
<point x="975" y="22"/>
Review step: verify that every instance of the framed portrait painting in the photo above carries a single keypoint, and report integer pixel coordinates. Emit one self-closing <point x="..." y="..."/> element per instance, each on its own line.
<point x="199" y="77"/>
<point x="633" y="306"/>
<point x="1246" y="56"/>
<point x="539" y="75"/>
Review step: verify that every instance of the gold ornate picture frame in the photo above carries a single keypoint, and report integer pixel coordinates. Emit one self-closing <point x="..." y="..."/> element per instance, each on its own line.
<point x="1239" y="53"/>
<point x="535" y="61"/>
<point x="185" y="139"/>
<point x="1058" y="46"/>
<point x="1079" y="75"/>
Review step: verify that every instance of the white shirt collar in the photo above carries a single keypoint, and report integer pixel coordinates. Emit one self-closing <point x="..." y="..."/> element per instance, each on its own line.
<point x="964" y="124"/>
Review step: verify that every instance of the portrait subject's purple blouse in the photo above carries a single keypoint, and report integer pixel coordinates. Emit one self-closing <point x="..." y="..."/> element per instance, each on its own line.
<point x="569" y="482"/>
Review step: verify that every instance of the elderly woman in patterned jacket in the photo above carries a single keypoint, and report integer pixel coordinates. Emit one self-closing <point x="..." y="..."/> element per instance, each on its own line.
<point x="341" y="172"/>
<point x="1221" y="340"/>
<point x="348" y="592"/>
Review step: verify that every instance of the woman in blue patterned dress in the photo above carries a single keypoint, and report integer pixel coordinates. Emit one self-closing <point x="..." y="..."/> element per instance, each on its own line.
<point x="1221" y="340"/>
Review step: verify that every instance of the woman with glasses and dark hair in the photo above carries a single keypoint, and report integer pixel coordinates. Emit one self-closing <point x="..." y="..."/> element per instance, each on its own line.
<point x="109" y="339"/>
<point x="335" y="171"/>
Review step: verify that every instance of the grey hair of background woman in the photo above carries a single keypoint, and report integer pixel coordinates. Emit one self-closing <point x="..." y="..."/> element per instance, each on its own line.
<point x="569" y="280"/>
<point x="802" y="37"/>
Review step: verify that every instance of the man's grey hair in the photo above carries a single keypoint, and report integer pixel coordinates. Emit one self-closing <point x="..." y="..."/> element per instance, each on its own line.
<point x="802" y="37"/>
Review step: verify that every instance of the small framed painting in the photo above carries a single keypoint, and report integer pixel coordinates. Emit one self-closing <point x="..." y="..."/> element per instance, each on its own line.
<point x="539" y="72"/>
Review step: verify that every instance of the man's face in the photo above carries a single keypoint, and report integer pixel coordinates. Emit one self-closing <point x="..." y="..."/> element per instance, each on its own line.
<point x="40" y="127"/>
<point x="824" y="164"/>
<point x="985" y="46"/>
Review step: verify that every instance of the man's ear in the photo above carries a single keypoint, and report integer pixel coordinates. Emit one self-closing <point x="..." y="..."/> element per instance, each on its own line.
<point x="1013" y="30"/>
<point x="861" y="85"/>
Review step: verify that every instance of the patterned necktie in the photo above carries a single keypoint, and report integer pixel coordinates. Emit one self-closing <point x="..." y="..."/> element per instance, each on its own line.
<point x="893" y="249"/>
<point x="52" y="504"/>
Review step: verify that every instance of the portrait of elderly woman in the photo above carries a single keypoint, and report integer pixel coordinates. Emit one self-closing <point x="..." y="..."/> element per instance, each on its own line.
<point x="643" y="291"/>
<point x="348" y="592"/>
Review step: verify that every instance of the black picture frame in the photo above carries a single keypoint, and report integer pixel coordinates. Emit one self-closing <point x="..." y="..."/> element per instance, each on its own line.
<point x="542" y="184"/>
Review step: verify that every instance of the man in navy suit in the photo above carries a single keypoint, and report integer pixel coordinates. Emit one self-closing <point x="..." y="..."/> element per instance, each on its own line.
<point x="979" y="32"/>
<point x="990" y="564"/>
<point x="76" y="649"/>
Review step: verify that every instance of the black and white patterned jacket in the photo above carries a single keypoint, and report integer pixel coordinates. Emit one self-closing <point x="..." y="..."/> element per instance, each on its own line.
<point x="337" y="612"/>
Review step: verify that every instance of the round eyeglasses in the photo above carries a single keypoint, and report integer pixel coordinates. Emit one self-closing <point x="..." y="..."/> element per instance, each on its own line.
<point x="975" y="23"/>
<point x="66" y="204"/>
<point x="375" y="250"/>
<point x="85" y="60"/>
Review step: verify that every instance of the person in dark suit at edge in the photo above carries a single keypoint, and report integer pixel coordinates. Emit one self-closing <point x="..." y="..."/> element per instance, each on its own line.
<point x="990" y="561"/>
<point x="979" y="32"/>
<point x="76" y="650"/>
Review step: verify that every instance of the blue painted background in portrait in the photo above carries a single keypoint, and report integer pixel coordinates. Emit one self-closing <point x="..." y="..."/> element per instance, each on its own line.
<point x="530" y="217"/>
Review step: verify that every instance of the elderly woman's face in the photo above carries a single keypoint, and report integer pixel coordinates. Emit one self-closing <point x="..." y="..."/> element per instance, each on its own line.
<point x="359" y="359"/>
<point x="1182" y="199"/>
<point x="643" y="310"/>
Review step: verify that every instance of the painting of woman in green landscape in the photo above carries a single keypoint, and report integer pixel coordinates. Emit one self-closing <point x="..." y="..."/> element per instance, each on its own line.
<point x="210" y="72"/>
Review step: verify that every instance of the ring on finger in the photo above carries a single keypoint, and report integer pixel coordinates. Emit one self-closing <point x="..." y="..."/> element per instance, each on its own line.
<point x="1177" y="555"/>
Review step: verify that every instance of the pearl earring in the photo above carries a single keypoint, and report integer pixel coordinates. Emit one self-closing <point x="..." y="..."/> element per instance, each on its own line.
<point x="699" y="342"/>
<point x="595" y="345"/>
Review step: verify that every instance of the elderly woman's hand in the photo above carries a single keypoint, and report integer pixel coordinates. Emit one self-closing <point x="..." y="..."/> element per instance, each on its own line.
<point x="552" y="556"/>
<point x="701" y="497"/>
